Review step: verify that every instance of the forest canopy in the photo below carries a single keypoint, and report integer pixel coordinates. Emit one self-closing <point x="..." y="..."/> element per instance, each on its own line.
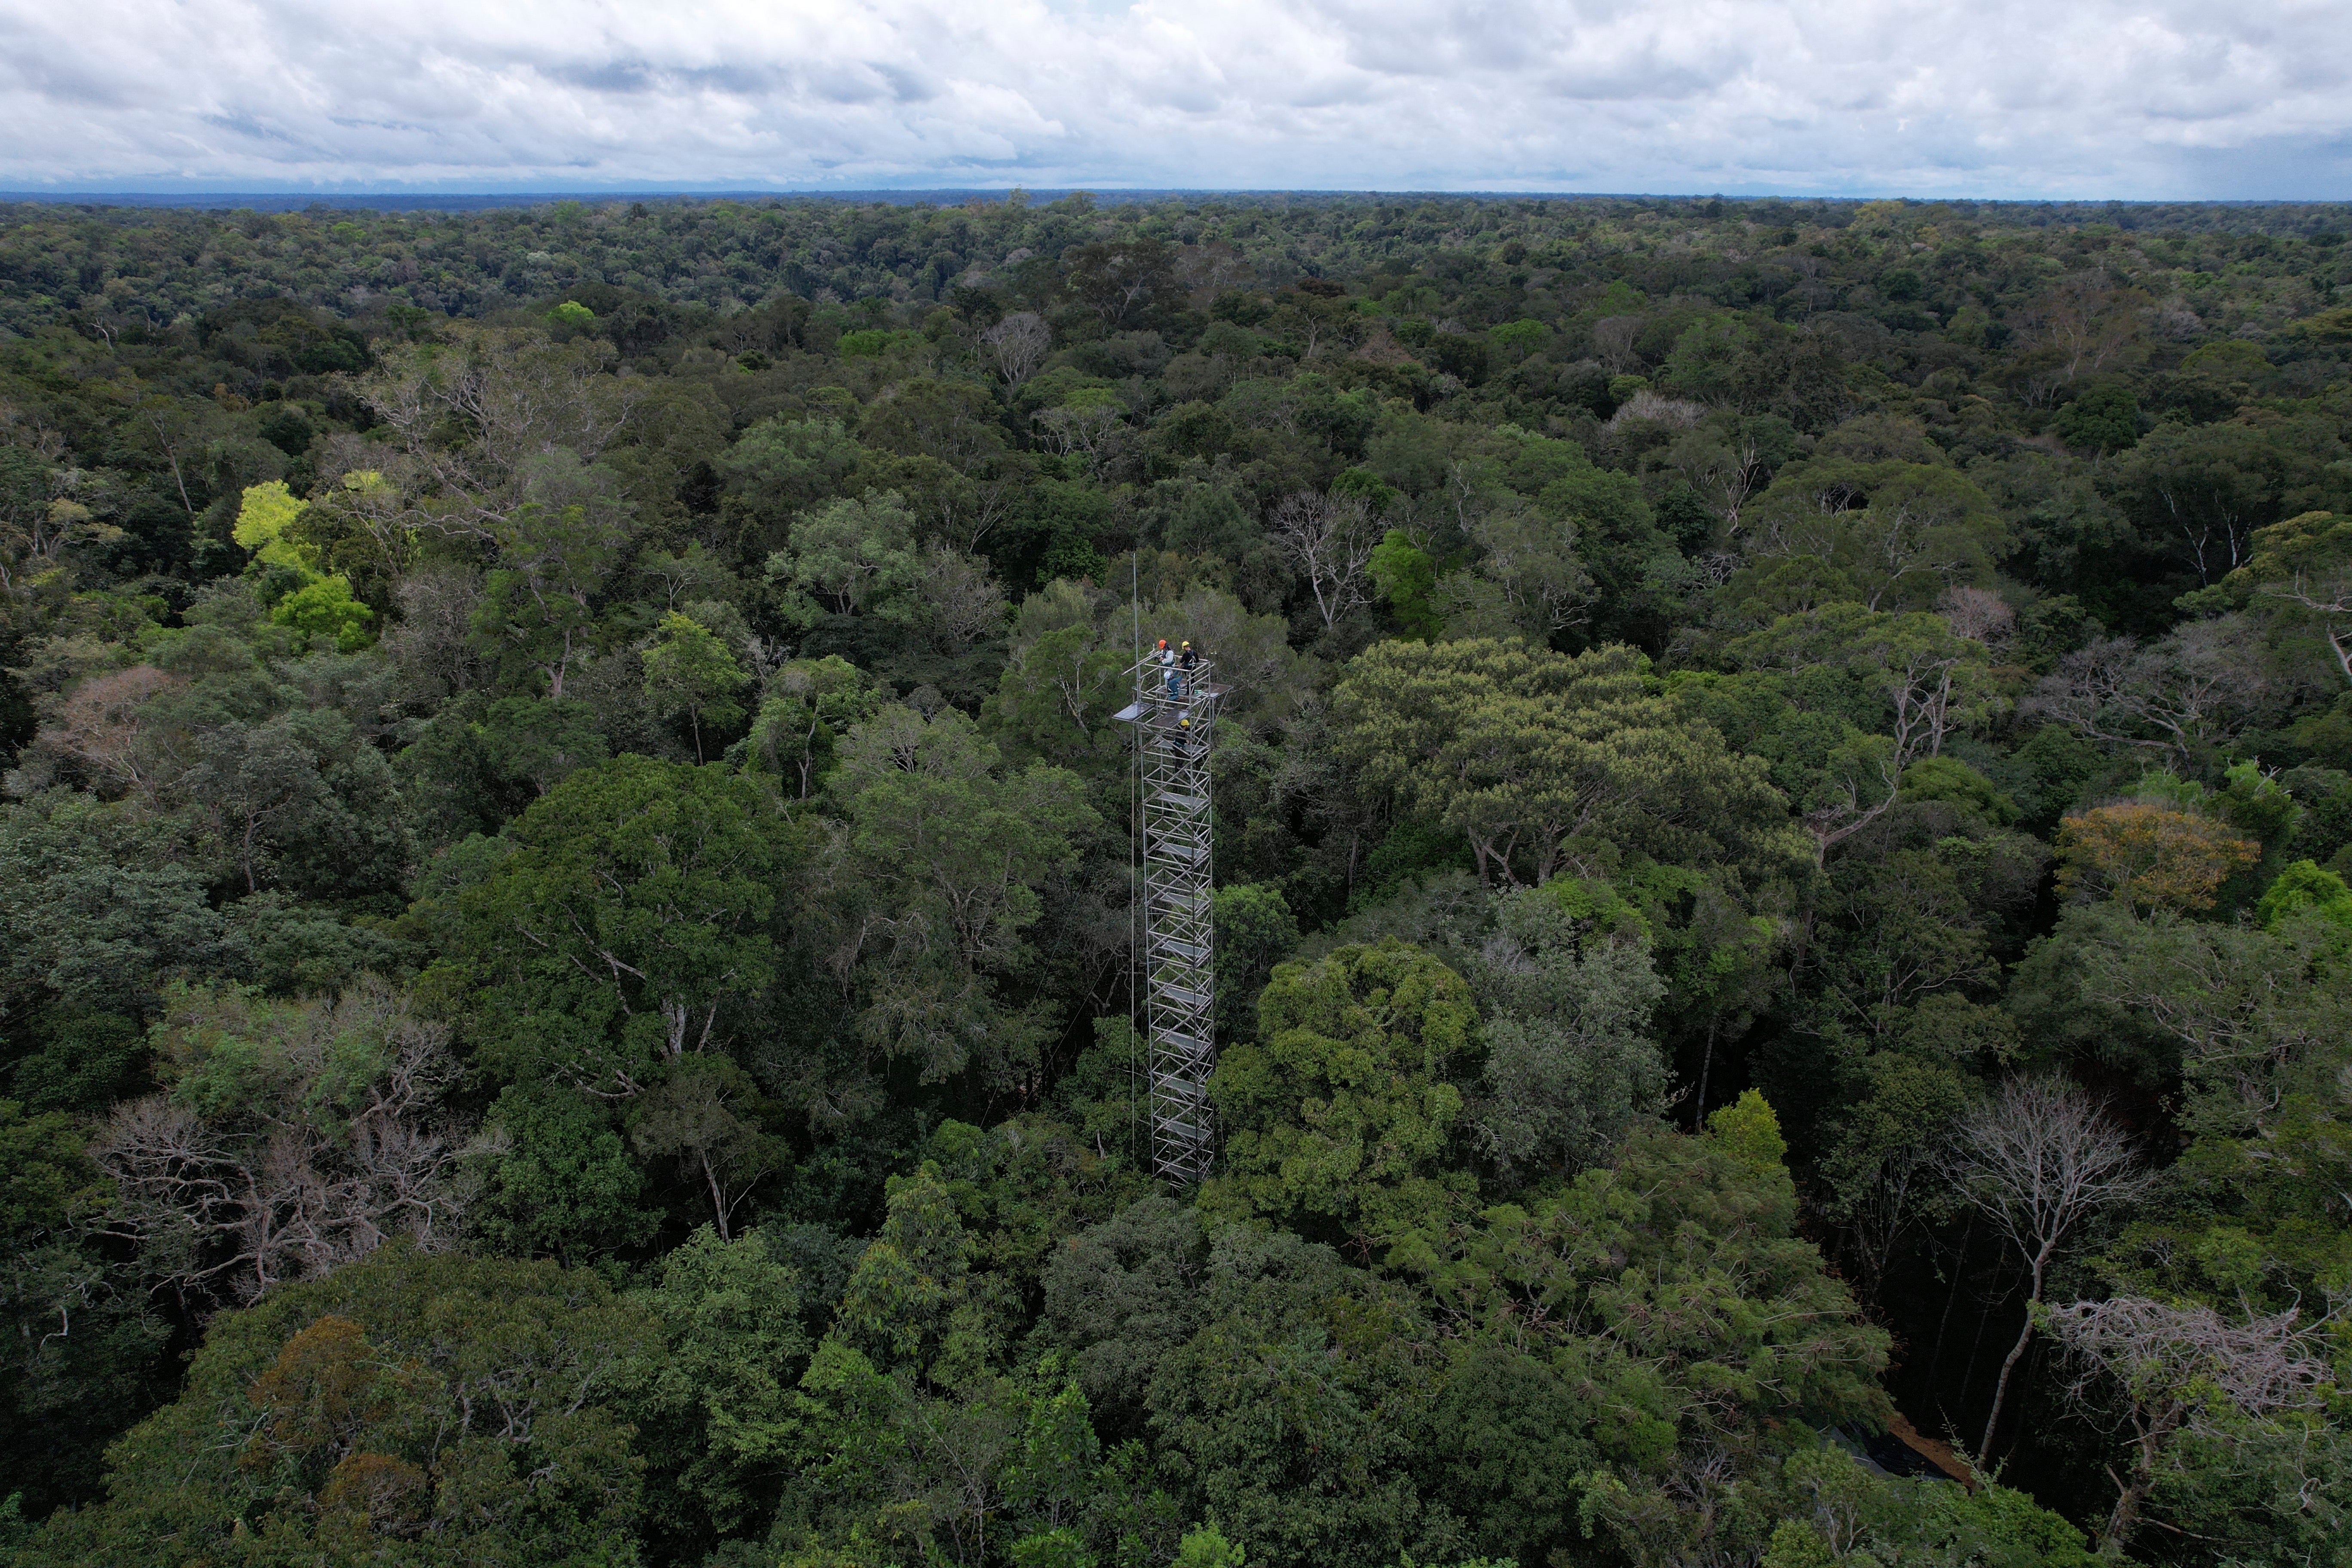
<point x="1784" y="847"/>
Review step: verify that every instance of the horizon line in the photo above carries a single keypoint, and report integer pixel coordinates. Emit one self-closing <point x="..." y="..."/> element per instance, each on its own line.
<point x="284" y="199"/>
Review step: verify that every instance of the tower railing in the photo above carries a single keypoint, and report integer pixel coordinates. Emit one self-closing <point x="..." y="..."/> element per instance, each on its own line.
<point x="1174" y="715"/>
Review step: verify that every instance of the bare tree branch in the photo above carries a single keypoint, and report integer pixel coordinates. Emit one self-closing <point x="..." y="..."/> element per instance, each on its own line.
<point x="304" y="1172"/>
<point x="1330" y="540"/>
<point x="2183" y="1370"/>
<point x="1019" y="344"/>
<point x="2180" y="697"/>
<point x="2037" y="1160"/>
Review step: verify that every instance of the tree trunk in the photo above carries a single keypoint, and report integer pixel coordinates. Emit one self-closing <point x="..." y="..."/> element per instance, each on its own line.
<point x="2016" y="1353"/>
<point x="718" y="1198"/>
<point x="2131" y="1496"/>
<point x="1976" y="1340"/>
<point x="2001" y="1384"/>
<point x="1706" y="1066"/>
<point x="1960" y="1271"/>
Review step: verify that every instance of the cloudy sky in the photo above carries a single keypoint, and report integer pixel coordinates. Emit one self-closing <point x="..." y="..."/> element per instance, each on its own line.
<point x="2019" y="97"/>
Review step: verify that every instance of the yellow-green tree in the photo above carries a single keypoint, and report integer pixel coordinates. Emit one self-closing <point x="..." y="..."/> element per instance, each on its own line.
<point x="1519" y="749"/>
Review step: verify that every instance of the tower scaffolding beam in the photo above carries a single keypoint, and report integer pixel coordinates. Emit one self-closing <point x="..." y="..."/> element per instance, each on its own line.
<point x="1174" y="715"/>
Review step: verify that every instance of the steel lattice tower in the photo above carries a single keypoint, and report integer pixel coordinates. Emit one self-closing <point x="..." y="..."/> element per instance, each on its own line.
<point x="1174" y="715"/>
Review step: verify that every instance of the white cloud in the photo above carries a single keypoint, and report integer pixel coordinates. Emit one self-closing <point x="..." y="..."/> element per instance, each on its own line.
<point x="2190" y="98"/>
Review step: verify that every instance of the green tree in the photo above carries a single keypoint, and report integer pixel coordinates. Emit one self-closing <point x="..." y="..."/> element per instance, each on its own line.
<point x="1532" y="562"/>
<point x="1664" y="1310"/>
<point x="707" y="1117"/>
<point x="1341" y="1118"/>
<point x="556" y="1180"/>
<point x="258" y="784"/>
<point x="324" y="612"/>
<point x="1841" y="1512"/>
<point x="689" y="671"/>
<point x="1567" y="991"/>
<point x="1901" y="531"/>
<point x="1120" y="1295"/>
<point x="2102" y="418"/>
<point x="779" y="469"/>
<point x="1296" y="1410"/>
<point x="956" y="847"/>
<point x="716" y="1416"/>
<point x="911" y="1435"/>
<point x="631" y="911"/>
<point x="2304" y="884"/>
<point x="1065" y="676"/>
<point x="540" y="743"/>
<point x="1405" y="576"/>
<point x="847" y="556"/>
<point x="538" y="611"/>
<point x="911" y="1304"/>
<point x="1917" y="682"/>
<point x="1121" y="280"/>
<point x="2201" y="492"/>
<point x="97" y="904"/>
<point x="1879" y="1166"/>
<point x="2255" y="1020"/>
<point x="811" y="703"/>
<point x="951" y="422"/>
<point x="2300" y="571"/>
<point x="1893" y="930"/>
<point x="85" y="1340"/>
<point x="452" y="1409"/>
<point x="1254" y="932"/>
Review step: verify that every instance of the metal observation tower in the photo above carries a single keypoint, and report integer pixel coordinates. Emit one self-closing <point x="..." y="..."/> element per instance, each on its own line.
<point x="1174" y="715"/>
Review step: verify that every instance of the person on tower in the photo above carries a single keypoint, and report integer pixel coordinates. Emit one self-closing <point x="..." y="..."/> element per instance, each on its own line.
<point x="1167" y="667"/>
<point x="1188" y="661"/>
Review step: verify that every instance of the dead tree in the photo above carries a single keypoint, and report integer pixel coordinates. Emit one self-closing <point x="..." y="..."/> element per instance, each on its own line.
<point x="311" y="1165"/>
<point x="2037" y="1160"/>
<point x="2178" y="1371"/>
<point x="2176" y="698"/>
<point x="1019" y="344"/>
<point x="1330" y="540"/>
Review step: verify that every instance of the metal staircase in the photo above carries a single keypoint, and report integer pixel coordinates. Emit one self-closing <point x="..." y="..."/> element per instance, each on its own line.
<point x="1174" y="713"/>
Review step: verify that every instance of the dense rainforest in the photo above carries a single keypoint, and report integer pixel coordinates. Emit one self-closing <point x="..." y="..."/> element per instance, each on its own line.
<point x="1782" y="824"/>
